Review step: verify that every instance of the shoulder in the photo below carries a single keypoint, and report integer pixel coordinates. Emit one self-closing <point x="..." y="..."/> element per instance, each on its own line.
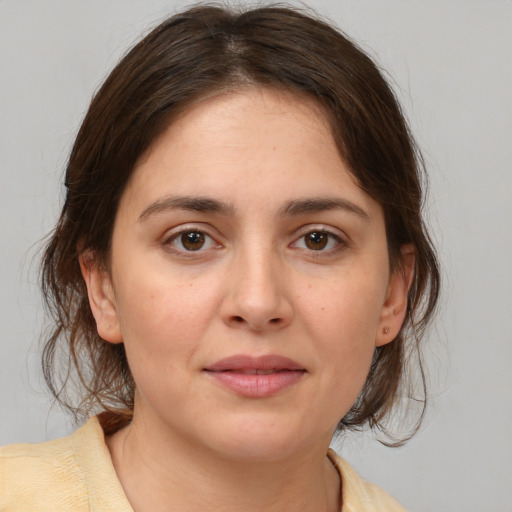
<point x="32" y="473"/>
<point x="56" y="475"/>
<point x="360" y="495"/>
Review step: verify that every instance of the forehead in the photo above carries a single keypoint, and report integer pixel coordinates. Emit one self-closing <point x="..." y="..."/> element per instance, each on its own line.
<point x="244" y="143"/>
<point x="250" y="107"/>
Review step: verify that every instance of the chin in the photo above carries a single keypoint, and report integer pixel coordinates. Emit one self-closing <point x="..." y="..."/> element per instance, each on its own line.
<point x="262" y="439"/>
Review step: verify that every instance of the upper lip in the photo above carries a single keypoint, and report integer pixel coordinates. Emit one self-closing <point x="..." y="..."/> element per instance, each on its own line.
<point x="243" y="362"/>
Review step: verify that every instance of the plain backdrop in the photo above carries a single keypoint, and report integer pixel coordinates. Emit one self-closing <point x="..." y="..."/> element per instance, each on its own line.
<point x="451" y="65"/>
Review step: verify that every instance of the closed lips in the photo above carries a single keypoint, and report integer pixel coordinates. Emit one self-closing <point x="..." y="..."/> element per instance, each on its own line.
<point x="261" y="365"/>
<point x="257" y="371"/>
<point x="256" y="377"/>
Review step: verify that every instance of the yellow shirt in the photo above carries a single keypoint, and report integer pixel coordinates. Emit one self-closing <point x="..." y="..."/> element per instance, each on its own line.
<point x="75" y="474"/>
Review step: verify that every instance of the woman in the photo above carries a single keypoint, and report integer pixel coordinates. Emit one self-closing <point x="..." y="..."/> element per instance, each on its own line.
<point x="240" y="270"/>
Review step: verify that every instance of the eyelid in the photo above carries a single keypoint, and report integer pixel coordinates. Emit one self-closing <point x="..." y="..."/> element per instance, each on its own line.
<point x="341" y="237"/>
<point x="308" y="228"/>
<point x="174" y="233"/>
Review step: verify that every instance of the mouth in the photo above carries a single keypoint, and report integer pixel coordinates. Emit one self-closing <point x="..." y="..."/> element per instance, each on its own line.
<point x="257" y="371"/>
<point x="255" y="365"/>
<point x="256" y="377"/>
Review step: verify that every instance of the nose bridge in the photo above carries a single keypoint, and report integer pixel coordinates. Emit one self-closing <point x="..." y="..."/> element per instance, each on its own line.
<point x="258" y="296"/>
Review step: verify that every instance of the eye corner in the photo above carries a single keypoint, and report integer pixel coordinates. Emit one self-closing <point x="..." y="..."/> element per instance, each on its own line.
<point x="190" y="241"/>
<point x="320" y="241"/>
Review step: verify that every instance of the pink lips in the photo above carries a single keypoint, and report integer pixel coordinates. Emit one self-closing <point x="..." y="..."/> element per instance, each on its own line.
<point x="256" y="377"/>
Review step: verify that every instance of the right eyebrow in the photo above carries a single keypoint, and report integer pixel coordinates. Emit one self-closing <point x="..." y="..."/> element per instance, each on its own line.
<point x="319" y="204"/>
<point x="195" y="204"/>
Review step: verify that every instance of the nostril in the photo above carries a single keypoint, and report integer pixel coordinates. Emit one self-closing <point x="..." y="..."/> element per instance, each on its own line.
<point x="240" y="320"/>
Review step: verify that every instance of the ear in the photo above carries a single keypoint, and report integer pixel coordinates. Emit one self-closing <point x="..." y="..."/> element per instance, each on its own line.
<point x="101" y="297"/>
<point x="394" y="308"/>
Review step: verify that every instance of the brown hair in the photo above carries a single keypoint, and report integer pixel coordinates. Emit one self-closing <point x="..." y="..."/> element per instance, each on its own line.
<point x="187" y="57"/>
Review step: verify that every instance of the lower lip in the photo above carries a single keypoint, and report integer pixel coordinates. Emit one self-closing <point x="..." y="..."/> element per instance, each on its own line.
<point x="257" y="386"/>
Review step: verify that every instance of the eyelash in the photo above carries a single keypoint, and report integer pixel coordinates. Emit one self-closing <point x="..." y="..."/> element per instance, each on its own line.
<point x="178" y="237"/>
<point x="340" y="243"/>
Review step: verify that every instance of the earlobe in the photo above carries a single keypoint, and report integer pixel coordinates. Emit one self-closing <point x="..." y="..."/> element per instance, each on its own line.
<point x="394" y="308"/>
<point x="101" y="298"/>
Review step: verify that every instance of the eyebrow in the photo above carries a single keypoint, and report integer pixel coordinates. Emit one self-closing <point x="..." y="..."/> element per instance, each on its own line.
<point x="309" y="205"/>
<point x="194" y="204"/>
<point x="209" y="205"/>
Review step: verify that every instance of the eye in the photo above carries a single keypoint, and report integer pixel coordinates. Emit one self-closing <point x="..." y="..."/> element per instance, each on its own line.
<point x="191" y="240"/>
<point x="319" y="241"/>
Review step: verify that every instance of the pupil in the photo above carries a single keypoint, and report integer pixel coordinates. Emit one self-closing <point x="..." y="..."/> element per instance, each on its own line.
<point x="316" y="241"/>
<point x="193" y="240"/>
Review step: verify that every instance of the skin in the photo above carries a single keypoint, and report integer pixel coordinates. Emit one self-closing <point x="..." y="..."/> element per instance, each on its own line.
<point x="255" y="287"/>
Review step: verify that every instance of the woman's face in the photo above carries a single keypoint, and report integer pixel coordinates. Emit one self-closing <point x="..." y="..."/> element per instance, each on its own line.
<point x="249" y="278"/>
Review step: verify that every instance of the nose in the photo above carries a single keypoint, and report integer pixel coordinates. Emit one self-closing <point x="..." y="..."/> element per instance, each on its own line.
<point x="258" y="296"/>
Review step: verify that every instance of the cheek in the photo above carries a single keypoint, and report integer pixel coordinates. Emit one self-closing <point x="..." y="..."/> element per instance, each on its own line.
<point x="343" y="321"/>
<point x="344" y="309"/>
<point x="163" y="328"/>
<point x="163" y="322"/>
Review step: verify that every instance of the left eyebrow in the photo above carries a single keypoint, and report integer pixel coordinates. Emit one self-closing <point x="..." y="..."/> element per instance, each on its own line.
<point x="193" y="204"/>
<point x="309" y="205"/>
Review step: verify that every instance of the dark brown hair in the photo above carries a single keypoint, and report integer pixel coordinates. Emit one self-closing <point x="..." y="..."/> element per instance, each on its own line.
<point x="204" y="50"/>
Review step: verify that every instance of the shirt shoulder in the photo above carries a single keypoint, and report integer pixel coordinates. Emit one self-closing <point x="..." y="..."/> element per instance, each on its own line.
<point x="33" y="476"/>
<point x="71" y="474"/>
<point x="358" y="495"/>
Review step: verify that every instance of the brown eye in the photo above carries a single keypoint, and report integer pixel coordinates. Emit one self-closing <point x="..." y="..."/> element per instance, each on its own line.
<point x="319" y="241"/>
<point x="316" y="240"/>
<point x="192" y="240"/>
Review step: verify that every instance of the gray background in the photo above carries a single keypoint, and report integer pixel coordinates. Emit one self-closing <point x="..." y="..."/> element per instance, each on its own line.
<point x="451" y="62"/>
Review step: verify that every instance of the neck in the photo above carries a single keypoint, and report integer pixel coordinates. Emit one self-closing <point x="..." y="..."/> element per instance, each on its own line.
<point x="162" y="472"/>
